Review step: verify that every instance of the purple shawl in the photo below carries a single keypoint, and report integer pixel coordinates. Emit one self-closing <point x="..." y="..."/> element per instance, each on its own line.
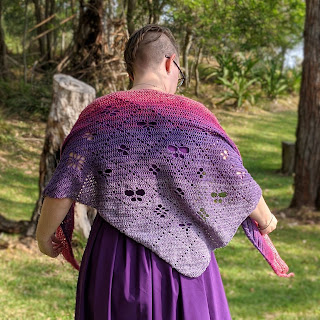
<point x="160" y="168"/>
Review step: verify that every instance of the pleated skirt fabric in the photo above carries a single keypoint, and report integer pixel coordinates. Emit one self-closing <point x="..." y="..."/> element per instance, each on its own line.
<point x="121" y="279"/>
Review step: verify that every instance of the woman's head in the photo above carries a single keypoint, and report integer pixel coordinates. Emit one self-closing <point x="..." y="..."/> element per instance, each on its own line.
<point x="151" y="51"/>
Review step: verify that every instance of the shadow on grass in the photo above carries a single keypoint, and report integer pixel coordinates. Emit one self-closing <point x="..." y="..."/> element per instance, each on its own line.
<point x="13" y="177"/>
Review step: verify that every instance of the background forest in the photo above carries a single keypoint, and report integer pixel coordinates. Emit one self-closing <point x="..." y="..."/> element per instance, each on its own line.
<point x="239" y="47"/>
<point x="237" y="56"/>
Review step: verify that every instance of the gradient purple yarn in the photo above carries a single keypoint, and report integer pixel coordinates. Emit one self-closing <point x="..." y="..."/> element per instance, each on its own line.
<point x="160" y="169"/>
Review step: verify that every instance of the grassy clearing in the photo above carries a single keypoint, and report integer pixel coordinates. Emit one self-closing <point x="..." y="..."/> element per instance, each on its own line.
<point x="258" y="135"/>
<point x="35" y="287"/>
<point x="20" y="149"/>
<point x="255" y="292"/>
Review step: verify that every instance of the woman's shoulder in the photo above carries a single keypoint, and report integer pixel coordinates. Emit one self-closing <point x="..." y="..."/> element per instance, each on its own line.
<point x="143" y="95"/>
<point x="106" y="98"/>
<point x="100" y="102"/>
<point x="189" y="100"/>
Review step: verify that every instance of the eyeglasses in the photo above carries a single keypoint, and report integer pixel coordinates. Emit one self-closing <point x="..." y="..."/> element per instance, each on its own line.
<point x="182" y="76"/>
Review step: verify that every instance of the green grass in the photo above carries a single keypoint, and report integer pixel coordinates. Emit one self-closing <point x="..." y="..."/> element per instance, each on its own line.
<point x="255" y="292"/>
<point x="259" y="136"/>
<point x="20" y="150"/>
<point x="35" y="287"/>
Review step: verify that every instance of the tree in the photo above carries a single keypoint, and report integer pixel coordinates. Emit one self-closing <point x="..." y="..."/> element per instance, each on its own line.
<point x="89" y="35"/>
<point x="98" y="43"/>
<point x="155" y="8"/>
<point x="131" y="6"/>
<point x="66" y="107"/>
<point x="39" y="14"/>
<point x="141" y="12"/>
<point x="307" y="159"/>
<point x="236" y="26"/>
<point x="3" y="49"/>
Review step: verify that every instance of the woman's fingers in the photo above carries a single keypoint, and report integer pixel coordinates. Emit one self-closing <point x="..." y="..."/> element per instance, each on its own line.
<point x="271" y="227"/>
<point x="55" y="239"/>
<point x="51" y="247"/>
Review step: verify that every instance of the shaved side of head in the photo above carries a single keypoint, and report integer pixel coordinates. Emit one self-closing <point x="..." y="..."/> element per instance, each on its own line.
<point x="152" y="50"/>
<point x="147" y="47"/>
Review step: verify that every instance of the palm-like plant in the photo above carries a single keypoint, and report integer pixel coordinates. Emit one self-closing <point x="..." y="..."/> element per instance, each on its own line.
<point x="272" y="80"/>
<point x="239" y="89"/>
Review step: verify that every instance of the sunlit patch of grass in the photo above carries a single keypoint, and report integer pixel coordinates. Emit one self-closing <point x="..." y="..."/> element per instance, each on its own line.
<point x="19" y="168"/>
<point x="259" y="135"/>
<point x="33" y="286"/>
<point x="17" y="199"/>
<point x="255" y="292"/>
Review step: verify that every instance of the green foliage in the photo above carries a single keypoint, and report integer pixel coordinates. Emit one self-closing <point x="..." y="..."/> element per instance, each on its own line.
<point x="25" y="98"/>
<point x="256" y="24"/>
<point x="273" y="83"/>
<point x="240" y="74"/>
<point x="234" y="73"/>
<point x="238" y="90"/>
<point x="228" y="65"/>
<point x="293" y="79"/>
<point x="231" y="64"/>
<point x="240" y="25"/>
<point x="14" y="23"/>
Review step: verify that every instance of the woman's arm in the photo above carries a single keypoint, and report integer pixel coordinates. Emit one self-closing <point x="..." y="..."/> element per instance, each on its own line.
<point x="262" y="214"/>
<point x="53" y="212"/>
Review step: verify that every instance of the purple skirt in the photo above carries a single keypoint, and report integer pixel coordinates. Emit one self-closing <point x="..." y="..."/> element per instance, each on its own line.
<point x="121" y="279"/>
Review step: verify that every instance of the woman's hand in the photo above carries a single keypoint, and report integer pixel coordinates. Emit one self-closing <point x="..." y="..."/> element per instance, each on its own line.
<point x="52" y="247"/>
<point x="262" y="215"/>
<point x="53" y="212"/>
<point x="270" y="227"/>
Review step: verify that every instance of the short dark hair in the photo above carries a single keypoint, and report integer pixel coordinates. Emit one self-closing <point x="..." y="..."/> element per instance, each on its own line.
<point x="145" y="39"/>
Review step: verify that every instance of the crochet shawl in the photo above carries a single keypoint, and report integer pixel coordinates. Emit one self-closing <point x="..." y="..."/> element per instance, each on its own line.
<point x="159" y="168"/>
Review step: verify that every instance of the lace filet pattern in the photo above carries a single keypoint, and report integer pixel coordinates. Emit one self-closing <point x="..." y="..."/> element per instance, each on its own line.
<point x="160" y="168"/>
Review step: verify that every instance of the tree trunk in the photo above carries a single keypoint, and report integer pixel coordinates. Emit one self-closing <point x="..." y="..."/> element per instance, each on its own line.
<point x="83" y="218"/>
<point x="25" y="66"/>
<point x="288" y="157"/>
<point x="89" y="35"/>
<point x="130" y="16"/>
<point x="155" y="8"/>
<point x="70" y="97"/>
<point x="49" y="11"/>
<point x="307" y="167"/>
<point x="38" y="11"/>
<point x="109" y="27"/>
<point x="198" y="59"/>
<point x="186" y="49"/>
<point x="95" y="58"/>
<point x="3" y="49"/>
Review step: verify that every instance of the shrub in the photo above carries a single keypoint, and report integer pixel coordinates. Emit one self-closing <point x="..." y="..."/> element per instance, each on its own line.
<point x="293" y="79"/>
<point x="272" y="81"/>
<point x="25" y="99"/>
<point x="238" y="89"/>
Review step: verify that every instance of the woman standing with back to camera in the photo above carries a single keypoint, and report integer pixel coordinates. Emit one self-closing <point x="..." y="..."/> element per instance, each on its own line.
<point x="169" y="187"/>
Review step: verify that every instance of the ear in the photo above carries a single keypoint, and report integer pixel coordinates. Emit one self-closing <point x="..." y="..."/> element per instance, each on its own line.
<point x="169" y="63"/>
